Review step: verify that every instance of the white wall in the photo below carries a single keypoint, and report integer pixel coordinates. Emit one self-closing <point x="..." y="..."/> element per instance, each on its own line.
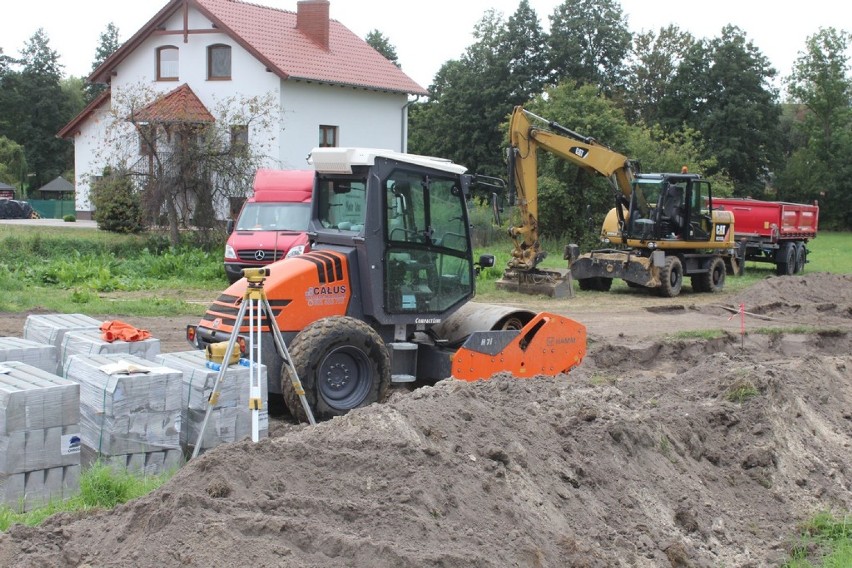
<point x="364" y="118"/>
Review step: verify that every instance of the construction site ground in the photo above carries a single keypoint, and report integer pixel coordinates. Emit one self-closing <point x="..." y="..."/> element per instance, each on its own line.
<point x="660" y="449"/>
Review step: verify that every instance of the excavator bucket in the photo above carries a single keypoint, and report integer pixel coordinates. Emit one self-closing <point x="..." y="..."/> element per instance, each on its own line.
<point x="552" y="283"/>
<point x="548" y="345"/>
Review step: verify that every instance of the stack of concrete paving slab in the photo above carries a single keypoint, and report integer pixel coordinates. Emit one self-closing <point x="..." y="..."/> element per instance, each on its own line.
<point x="50" y="329"/>
<point x="91" y="342"/>
<point x="231" y="418"/>
<point x="130" y="411"/>
<point x="39" y="436"/>
<point x="38" y="355"/>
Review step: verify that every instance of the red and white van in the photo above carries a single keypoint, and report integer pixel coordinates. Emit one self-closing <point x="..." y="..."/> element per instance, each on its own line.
<point x="272" y="222"/>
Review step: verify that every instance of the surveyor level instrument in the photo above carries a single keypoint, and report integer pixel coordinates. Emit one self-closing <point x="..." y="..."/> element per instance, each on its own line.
<point x="254" y="305"/>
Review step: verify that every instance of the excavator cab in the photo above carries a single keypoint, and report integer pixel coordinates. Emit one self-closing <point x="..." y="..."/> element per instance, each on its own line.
<point x="667" y="207"/>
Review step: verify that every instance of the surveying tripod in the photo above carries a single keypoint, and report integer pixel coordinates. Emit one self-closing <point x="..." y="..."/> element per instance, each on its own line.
<point x="256" y="304"/>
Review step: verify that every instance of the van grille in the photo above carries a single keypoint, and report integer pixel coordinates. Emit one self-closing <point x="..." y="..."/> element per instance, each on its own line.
<point x="269" y="255"/>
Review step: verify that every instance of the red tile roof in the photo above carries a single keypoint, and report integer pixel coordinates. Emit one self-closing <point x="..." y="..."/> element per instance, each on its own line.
<point x="271" y="36"/>
<point x="179" y="105"/>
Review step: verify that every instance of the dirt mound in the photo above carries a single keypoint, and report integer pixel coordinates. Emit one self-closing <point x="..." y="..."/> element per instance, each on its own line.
<point x="811" y="295"/>
<point x="682" y="454"/>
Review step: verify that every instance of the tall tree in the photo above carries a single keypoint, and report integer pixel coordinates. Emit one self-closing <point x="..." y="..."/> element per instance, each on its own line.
<point x="589" y="41"/>
<point x="472" y="97"/>
<point x="654" y="60"/>
<point x="723" y="89"/>
<point x="382" y="44"/>
<point x="107" y="45"/>
<point x="42" y="110"/>
<point x="12" y="161"/>
<point x="820" y="169"/>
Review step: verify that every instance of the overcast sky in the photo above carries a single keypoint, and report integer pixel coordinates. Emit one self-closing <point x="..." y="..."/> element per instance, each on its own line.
<point x="428" y="34"/>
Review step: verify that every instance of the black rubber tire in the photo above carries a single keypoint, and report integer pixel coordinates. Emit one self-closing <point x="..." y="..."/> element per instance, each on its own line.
<point x="713" y="280"/>
<point x="801" y="257"/>
<point x="604" y="284"/>
<point x="716" y="276"/>
<point x="671" y="278"/>
<point x="587" y="284"/>
<point x="342" y="364"/>
<point x="785" y="260"/>
<point x="633" y="284"/>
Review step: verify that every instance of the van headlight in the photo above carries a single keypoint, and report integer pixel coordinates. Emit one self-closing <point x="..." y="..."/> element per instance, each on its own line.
<point x="230" y="252"/>
<point x="295" y="251"/>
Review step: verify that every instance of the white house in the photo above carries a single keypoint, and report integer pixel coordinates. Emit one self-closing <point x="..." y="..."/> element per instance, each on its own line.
<point x="333" y="89"/>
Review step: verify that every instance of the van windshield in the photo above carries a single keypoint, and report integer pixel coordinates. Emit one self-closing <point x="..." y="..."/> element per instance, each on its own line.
<point x="274" y="217"/>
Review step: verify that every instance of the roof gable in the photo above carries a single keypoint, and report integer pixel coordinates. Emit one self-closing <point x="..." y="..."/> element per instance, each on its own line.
<point x="271" y="35"/>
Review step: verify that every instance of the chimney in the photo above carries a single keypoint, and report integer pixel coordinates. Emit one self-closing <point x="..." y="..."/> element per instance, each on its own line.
<point x="312" y="20"/>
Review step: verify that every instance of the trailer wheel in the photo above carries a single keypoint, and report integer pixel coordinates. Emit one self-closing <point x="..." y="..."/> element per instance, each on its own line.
<point x="342" y="364"/>
<point x="801" y="257"/>
<point x="785" y="260"/>
<point x="671" y="279"/>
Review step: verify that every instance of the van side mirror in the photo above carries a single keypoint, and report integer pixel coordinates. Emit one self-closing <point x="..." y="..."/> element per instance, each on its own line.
<point x="230" y="226"/>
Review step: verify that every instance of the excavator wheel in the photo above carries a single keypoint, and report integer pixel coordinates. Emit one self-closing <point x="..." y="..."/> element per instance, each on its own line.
<point x="671" y="278"/>
<point x="342" y="364"/>
<point x="712" y="281"/>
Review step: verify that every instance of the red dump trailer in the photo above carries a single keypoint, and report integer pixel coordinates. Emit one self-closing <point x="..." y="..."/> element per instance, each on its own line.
<point x="773" y="231"/>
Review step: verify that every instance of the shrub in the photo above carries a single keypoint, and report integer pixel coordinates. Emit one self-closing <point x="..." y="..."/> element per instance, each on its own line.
<point x="117" y="204"/>
<point x="70" y="219"/>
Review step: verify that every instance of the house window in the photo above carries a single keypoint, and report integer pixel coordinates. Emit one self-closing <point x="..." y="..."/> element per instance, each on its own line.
<point x="327" y="136"/>
<point x="218" y="62"/>
<point x="167" y="63"/>
<point x="239" y="137"/>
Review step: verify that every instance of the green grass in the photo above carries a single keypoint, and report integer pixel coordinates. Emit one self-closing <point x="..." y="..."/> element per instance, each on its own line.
<point x="81" y="269"/>
<point x="826" y="541"/>
<point x="101" y="487"/>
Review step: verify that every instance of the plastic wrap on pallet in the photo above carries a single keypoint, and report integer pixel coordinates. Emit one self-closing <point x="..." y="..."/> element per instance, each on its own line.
<point x="39" y="355"/>
<point x="39" y="436"/>
<point x="50" y="328"/>
<point x="91" y="342"/>
<point x="127" y="412"/>
<point x="230" y="420"/>
<point x="33" y="399"/>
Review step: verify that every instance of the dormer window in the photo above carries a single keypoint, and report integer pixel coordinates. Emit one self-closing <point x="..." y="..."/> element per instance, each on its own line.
<point x="167" y="63"/>
<point x="218" y="62"/>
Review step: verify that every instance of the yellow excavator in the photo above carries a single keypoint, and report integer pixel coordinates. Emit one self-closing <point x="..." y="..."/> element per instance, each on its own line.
<point x="663" y="226"/>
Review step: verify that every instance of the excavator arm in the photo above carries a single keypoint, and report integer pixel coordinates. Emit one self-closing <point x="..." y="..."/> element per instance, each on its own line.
<point x="587" y="153"/>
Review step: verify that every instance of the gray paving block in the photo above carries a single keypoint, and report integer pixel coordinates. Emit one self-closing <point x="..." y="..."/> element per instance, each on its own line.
<point x="32" y="399"/>
<point x="40" y="355"/>
<point x="127" y="413"/>
<point x="49" y="329"/>
<point x="230" y="419"/>
<point x="91" y="342"/>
